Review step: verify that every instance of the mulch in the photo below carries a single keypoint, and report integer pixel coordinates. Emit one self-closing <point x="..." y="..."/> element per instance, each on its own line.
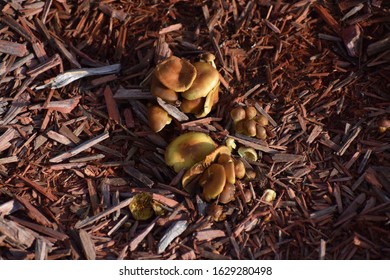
<point x="74" y="153"/>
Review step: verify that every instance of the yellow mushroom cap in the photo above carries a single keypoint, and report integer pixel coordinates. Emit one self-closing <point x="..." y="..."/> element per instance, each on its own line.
<point x="159" y="90"/>
<point x="248" y="153"/>
<point x="207" y="78"/>
<point x="213" y="181"/>
<point x="158" y="118"/>
<point x="176" y="74"/>
<point x="188" y="149"/>
<point x="141" y="206"/>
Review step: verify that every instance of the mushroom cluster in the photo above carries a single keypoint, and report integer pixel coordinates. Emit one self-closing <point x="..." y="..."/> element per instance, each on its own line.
<point x="192" y="87"/>
<point x="246" y="121"/>
<point x="208" y="166"/>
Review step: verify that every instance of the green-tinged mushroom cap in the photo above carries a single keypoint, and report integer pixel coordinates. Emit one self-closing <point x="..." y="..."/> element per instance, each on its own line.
<point x="188" y="149"/>
<point x="176" y="74"/>
<point x="141" y="206"/>
<point x="207" y="78"/>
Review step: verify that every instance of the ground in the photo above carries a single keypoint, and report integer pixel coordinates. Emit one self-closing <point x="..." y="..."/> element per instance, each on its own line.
<point x="73" y="157"/>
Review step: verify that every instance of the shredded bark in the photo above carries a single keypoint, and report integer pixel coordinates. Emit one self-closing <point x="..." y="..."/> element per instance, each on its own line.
<point x="75" y="144"/>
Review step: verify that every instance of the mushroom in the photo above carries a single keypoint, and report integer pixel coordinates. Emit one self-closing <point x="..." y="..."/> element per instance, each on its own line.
<point x="201" y="166"/>
<point x="249" y="127"/>
<point x="213" y="181"/>
<point x="192" y="106"/>
<point x="207" y="78"/>
<point x="141" y="206"/>
<point x="176" y="74"/>
<point x="237" y="114"/>
<point x="269" y="195"/>
<point x="383" y="125"/>
<point x="158" y="118"/>
<point x="188" y="149"/>
<point x="239" y="169"/>
<point x="159" y="90"/>
<point x="250" y="112"/>
<point x="231" y="144"/>
<point x="261" y="133"/>
<point x="227" y="162"/>
<point x="211" y="100"/>
<point x="261" y="120"/>
<point x="248" y="153"/>
<point x="239" y="126"/>
<point x="227" y="194"/>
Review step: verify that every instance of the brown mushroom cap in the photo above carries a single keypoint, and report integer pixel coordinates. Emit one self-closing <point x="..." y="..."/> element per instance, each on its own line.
<point x="383" y="125"/>
<point x="249" y="127"/>
<point x="201" y="166"/>
<point x="192" y="106"/>
<point x="239" y="169"/>
<point x="207" y="78"/>
<point x="176" y="74"/>
<point x="227" y="194"/>
<point x="213" y="181"/>
<point x="158" y="118"/>
<point x="159" y="90"/>
<point x="261" y="133"/>
<point x="261" y="120"/>
<point x="237" y="114"/>
<point x="227" y="162"/>
<point x="188" y="149"/>
<point x="239" y="126"/>
<point x="250" y="112"/>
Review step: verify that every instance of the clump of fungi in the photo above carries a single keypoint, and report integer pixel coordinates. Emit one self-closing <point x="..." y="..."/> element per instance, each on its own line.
<point x="210" y="169"/>
<point x="246" y="121"/>
<point x="193" y="88"/>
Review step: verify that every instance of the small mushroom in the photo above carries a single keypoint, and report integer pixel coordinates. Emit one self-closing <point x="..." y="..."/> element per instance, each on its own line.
<point x="207" y="78"/>
<point x="239" y="169"/>
<point x="237" y="114"/>
<point x="176" y="74"/>
<point x="383" y="125"/>
<point x="159" y="90"/>
<point x="227" y="194"/>
<point x="269" y="195"/>
<point x="188" y="149"/>
<point x="158" y="118"/>
<point x="208" y="58"/>
<point x="231" y="144"/>
<point x="261" y="120"/>
<point x="250" y="112"/>
<point x="239" y="127"/>
<point x="250" y="174"/>
<point x="192" y="106"/>
<point x="141" y="206"/>
<point x="227" y="162"/>
<point x="215" y="211"/>
<point x="249" y="128"/>
<point x="261" y="132"/>
<point x="212" y="181"/>
<point x="248" y="153"/>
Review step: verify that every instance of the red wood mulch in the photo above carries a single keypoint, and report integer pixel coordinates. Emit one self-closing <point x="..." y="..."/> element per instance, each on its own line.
<point x="71" y="158"/>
